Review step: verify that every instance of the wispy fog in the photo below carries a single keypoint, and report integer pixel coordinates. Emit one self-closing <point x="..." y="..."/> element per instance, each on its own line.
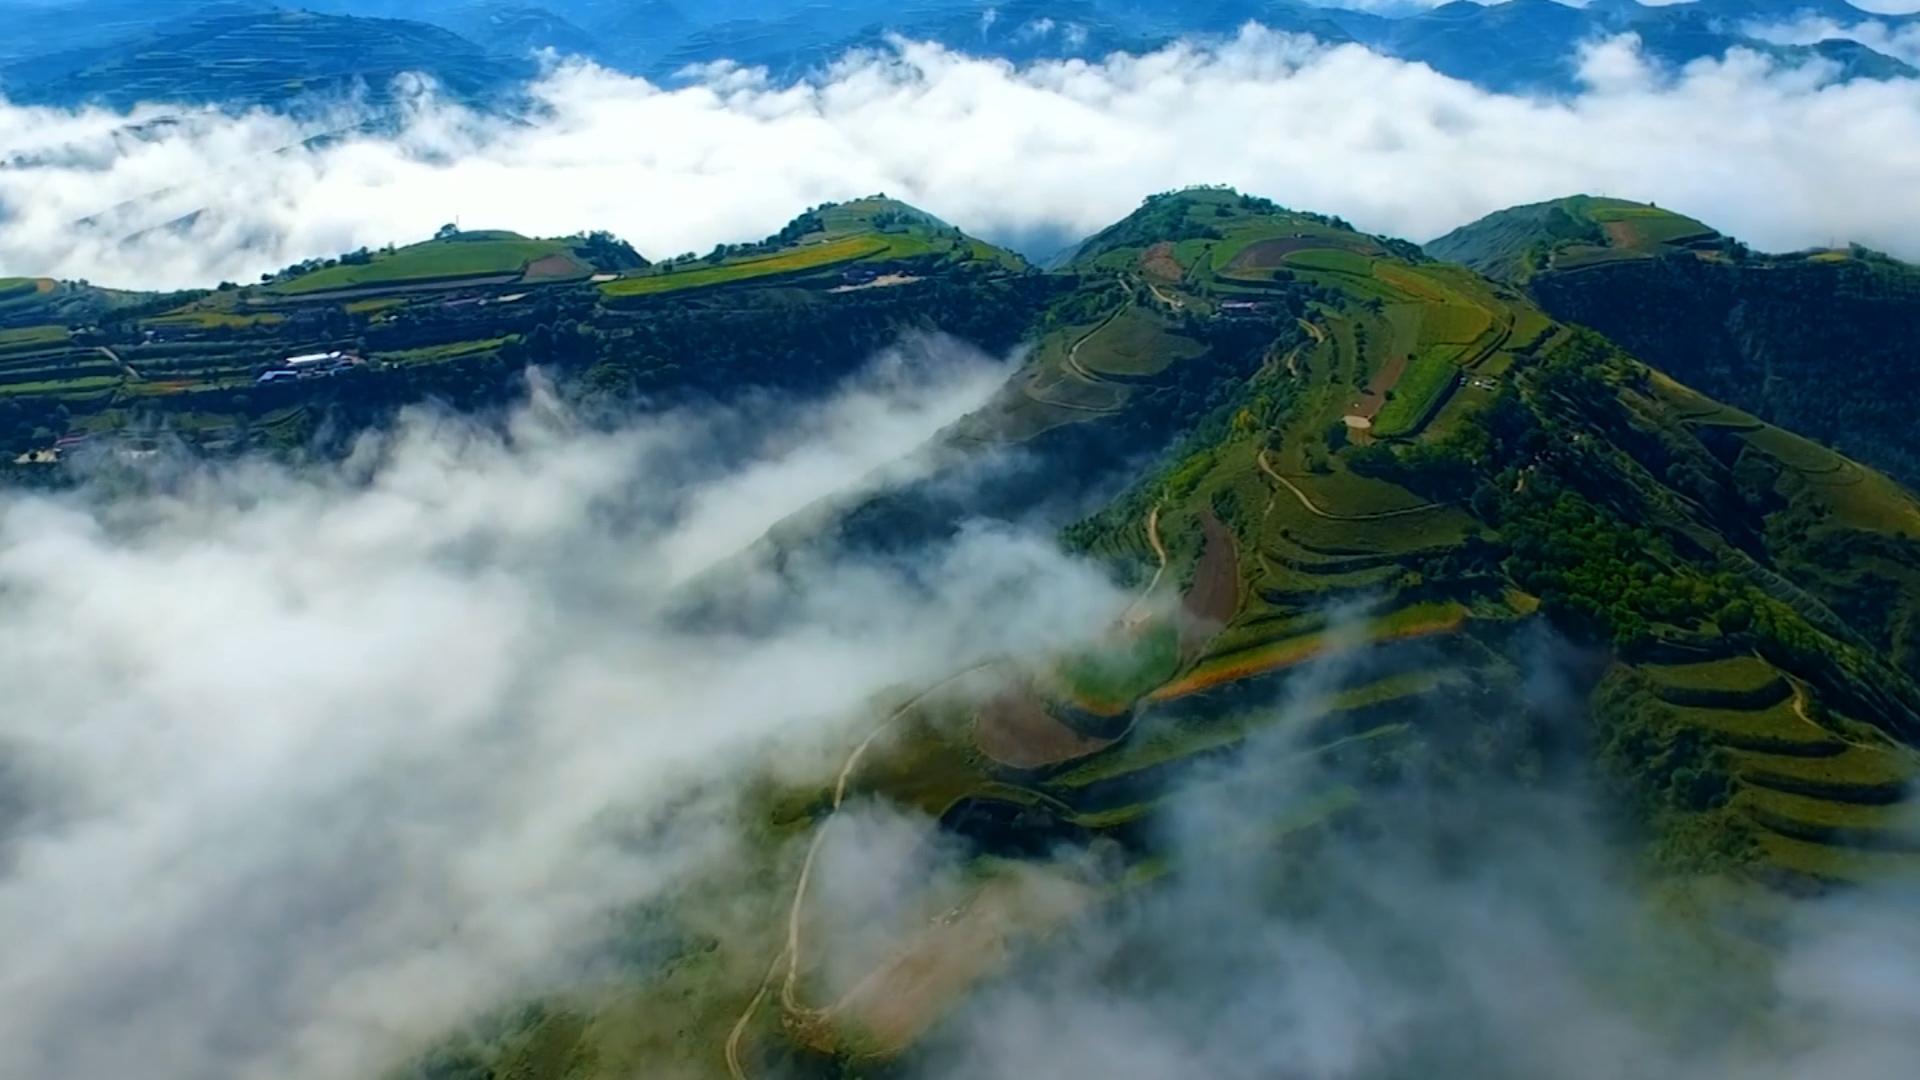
<point x="1483" y="922"/>
<point x="303" y="766"/>
<point x="1041" y="154"/>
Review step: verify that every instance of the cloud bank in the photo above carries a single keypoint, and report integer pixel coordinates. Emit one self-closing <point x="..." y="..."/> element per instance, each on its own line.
<point x="303" y="767"/>
<point x="1483" y="926"/>
<point x="1780" y="156"/>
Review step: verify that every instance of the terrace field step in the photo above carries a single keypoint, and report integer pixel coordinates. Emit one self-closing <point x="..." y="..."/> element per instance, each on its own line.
<point x="1778" y="729"/>
<point x="1893" y="827"/>
<point x="1861" y="775"/>
<point x="1828" y="863"/>
<point x="1737" y="682"/>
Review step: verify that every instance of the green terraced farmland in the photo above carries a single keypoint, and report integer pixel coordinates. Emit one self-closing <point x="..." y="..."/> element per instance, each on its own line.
<point x="32" y="337"/>
<point x="1636" y="227"/>
<point x="1821" y="821"/>
<point x="435" y="260"/>
<point x="1777" y="729"/>
<point x="1860" y="774"/>
<point x="207" y="319"/>
<point x="1332" y="260"/>
<point x="1428" y="379"/>
<point x="1135" y="343"/>
<point x="434" y="354"/>
<point x="798" y="260"/>
<point x="1160" y="740"/>
<point x="1737" y="682"/>
<point x="1107" y="680"/>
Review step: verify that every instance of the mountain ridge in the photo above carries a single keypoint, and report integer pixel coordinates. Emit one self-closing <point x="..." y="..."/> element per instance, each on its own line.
<point x="1752" y="328"/>
<point x="1364" y="593"/>
<point x="1354" y="492"/>
<point x="1523" y="46"/>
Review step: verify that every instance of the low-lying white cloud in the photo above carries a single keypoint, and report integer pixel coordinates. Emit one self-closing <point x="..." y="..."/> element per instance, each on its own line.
<point x="1491" y="928"/>
<point x="1781" y="156"/>
<point x="1887" y="7"/>
<point x="302" y="767"/>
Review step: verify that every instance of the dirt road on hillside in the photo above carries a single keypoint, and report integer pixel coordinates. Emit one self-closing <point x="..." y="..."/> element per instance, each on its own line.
<point x="789" y="996"/>
<point x="1315" y="509"/>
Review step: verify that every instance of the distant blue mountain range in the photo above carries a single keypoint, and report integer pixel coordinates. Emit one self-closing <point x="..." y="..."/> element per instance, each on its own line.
<point x="251" y="52"/>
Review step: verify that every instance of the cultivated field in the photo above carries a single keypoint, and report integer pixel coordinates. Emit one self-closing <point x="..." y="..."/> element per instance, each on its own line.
<point x="441" y="260"/>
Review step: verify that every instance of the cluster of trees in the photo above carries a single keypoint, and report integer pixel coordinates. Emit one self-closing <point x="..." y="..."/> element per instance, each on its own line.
<point x="808" y="222"/>
<point x="28" y="423"/>
<point x="1671" y="774"/>
<point x="605" y="251"/>
<point x="1823" y="348"/>
<point x="1163" y="217"/>
<point x="359" y="257"/>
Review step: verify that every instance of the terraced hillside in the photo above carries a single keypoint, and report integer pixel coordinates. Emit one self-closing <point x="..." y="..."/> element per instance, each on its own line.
<point x="460" y="316"/>
<point x="867" y="243"/>
<point x="1570" y="234"/>
<point x="1354" y="593"/>
<point x="266" y="57"/>
<point x="1823" y="342"/>
<point x="1367" y="505"/>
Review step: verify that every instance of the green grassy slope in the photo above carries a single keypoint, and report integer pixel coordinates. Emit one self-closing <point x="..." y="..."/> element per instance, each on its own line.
<point x="464" y="256"/>
<point x="850" y="244"/>
<point x="1563" y="234"/>
<point x="460" y="316"/>
<point x="1348" y="486"/>
<point x="1822" y="342"/>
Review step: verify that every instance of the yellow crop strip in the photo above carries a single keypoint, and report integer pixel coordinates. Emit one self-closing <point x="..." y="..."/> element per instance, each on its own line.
<point x="810" y="257"/>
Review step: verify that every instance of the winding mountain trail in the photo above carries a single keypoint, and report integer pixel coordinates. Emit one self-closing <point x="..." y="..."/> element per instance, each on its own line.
<point x="1314" y="509"/>
<point x="1293" y="357"/>
<point x="739" y="1032"/>
<point x="1073" y="354"/>
<point x="1160" y="553"/>
<point x="116" y="358"/>
<point x="1800" y="697"/>
<point x="1173" y="302"/>
<point x="790" y="952"/>
<point x="1800" y="706"/>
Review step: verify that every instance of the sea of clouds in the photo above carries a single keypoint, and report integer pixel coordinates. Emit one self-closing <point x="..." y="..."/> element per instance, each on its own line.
<point x="1038" y="156"/>
<point x="300" y="766"/>
<point x="303" y="765"/>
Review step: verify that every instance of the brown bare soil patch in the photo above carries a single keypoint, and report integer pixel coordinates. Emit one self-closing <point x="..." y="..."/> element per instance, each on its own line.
<point x="895" y="1004"/>
<point x="1267" y="659"/>
<point x="884" y="281"/>
<point x="1267" y="254"/>
<point x="1270" y="254"/>
<point x="1158" y="262"/>
<point x="1622" y="234"/>
<point x="1374" y="397"/>
<point x="1015" y="729"/>
<point x="1214" y="597"/>
<point x="554" y="268"/>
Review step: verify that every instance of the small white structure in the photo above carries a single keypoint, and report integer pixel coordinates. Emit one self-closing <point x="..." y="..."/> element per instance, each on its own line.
<point x="309" y="366"/>
<point x="313" y="359"/>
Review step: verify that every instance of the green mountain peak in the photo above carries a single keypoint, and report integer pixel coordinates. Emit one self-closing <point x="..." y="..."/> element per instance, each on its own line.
<point x="1570" y="233"/>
